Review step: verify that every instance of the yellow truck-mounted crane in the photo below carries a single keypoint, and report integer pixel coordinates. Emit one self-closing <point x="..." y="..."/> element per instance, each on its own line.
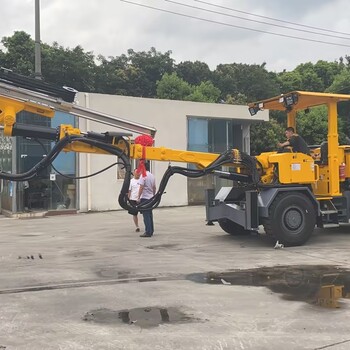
<point x="287" y="193"/>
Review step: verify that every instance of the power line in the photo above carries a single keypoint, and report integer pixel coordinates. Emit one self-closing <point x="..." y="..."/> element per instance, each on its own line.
<point x="255" y="21"/>
<point x="232" y="25"/>
<point x="271" y="18"/>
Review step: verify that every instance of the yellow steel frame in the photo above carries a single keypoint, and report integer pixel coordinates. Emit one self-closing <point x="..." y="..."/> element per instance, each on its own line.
<point x="201" y="159"/>
<point x="328" y="183"/>
<point x="9" y="108"/>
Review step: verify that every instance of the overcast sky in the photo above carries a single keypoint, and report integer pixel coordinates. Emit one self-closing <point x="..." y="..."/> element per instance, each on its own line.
<point x="111" y="27"/>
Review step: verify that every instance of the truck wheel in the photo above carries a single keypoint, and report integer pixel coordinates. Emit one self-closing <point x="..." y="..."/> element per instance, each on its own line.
<point x="232" y="228"/>
<point x="292" y="219"/>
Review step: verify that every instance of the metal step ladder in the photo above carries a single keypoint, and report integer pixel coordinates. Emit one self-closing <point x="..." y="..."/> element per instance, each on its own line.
<point x="329" y="214"/>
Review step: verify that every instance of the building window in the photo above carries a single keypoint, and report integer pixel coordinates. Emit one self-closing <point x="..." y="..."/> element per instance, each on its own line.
<point x="214" y="136"/>
<point x="55" y="187"/>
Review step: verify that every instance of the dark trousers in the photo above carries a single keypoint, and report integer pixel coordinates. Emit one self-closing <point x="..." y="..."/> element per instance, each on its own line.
<point x="147" y="219"/>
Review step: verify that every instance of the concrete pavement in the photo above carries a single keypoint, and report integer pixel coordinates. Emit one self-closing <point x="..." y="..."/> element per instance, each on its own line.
<point x="88" y="281"/>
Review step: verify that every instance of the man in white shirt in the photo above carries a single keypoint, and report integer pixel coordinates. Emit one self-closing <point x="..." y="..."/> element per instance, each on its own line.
<point x="147" y="191"/>
<point x="133" y="197"/>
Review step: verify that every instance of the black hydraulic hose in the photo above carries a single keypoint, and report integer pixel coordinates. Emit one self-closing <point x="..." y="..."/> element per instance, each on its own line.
<point x="226" y="157"/>
<point x="192" y="173"/>
<point x="58" y="147"/>
<point x="246" y="160"/>
<point x="122" y="199"/>
<point x="44" y="163"/>
<point x="77" y="177"/>
<point x="123" y="195"/>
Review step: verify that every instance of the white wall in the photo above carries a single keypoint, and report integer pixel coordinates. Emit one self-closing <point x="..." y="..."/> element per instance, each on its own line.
<point x="169" y="118"/>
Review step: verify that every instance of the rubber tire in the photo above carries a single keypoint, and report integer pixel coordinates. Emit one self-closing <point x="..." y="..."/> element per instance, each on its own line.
<point x="232" y="228"/>
<point x="297" y="206"/>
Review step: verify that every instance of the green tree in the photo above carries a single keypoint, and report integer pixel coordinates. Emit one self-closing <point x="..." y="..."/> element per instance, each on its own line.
<point x="327" y="71"/>
<point x="74" y="68"/>
<point x="238" y="99"/>
<point x="19" y="53"/>
<point x="134" y="74"/>
<point x="204" y="92"/>
<point x="313" y="125"/>
<point x="145" y="69"/>
<point x="254" y="81"/>
<point x="110" y="75"/>
<point x="290" y="81"/>
<point x="2" y="57"/>
<point x="265" y="136"/>
<point x="224" y="77"/>
<point x="71" y="67"/>
<point x="310" y="77"/>
<point x="341" y="83"/>
<point x="310" y="81"/>
<point x="193" y="72"/>
<point x="173" y="88"/>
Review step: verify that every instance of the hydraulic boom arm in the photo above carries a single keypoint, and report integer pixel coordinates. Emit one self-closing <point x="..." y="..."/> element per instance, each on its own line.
<point x="41" y="99"/>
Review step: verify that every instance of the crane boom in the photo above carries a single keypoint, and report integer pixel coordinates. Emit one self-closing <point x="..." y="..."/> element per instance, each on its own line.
<point x="19" y="93"/>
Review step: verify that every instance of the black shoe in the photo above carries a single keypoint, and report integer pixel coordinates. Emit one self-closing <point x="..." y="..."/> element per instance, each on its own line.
<point x="145" y="235"/>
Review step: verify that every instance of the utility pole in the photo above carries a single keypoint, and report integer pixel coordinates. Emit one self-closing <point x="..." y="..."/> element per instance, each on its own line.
<point x="37" y="41"/>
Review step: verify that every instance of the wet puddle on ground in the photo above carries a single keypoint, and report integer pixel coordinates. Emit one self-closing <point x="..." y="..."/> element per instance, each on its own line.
<point x="147" y="317"/>
<point x="322" y="285"/>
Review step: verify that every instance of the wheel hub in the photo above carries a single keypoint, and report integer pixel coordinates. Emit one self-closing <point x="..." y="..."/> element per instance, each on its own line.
<point x="293" y="219"/>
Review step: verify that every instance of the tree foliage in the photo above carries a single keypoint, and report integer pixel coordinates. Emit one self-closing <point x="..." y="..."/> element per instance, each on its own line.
<point x="313" y="126"/>
<point x="148" y="68"/>
<point x="254" y="81"/>
<point x="110" y="75"/>
<point x="193" y="72"/>
<point x="341" y="83"/>
<point x="265" y="136"/>
<point x="19" y="53"/>
<point x="68" y="66"/>
<point x="327" y="71"/>
<point x="290" y="81"/>
<point x="154" y="74"/>
<point x="173" y="88"/>
<point x="204" y="92"/>
<point x="238" y="99"/>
